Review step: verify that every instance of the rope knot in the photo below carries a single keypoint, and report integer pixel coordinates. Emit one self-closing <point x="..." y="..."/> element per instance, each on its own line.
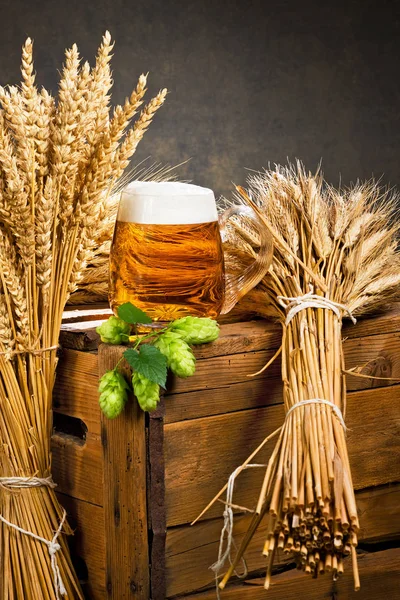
<point x="294" y="305"/>
<point x="333" y="406"/>
<point x="11" y="352"/>
<point x="54" y="547"/>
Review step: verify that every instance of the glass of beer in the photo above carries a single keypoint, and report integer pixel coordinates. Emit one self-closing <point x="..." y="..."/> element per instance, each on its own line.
<point x="167" y="255"/>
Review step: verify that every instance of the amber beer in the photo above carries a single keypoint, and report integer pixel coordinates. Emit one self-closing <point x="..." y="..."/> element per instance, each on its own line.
<point x="166" y="256"/>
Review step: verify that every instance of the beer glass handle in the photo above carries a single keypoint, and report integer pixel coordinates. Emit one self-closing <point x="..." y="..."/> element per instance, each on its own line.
<point x="237" y="285"/>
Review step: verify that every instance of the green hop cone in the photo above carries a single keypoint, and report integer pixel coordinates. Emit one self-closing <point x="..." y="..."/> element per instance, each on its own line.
<point x="113" y="394"/>
<point x="180" y="358"/>
<point x="196" y="330"/>
<point x="113" y="331"/>
<point x="147" y="392"/>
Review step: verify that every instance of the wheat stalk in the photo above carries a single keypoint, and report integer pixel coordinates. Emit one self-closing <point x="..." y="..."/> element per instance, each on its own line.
<point x="344" y="246"/>
<point x="59" y="160"/>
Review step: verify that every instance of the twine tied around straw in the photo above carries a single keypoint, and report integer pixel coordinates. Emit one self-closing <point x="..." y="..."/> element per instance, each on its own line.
<point x="26" y="482"/>
<point x="228" y="527"/>
<point x="333" y="406"/>
<point x="8" y="354"/>
<point x="52" y="545"/>
<point x="294" y="305"/>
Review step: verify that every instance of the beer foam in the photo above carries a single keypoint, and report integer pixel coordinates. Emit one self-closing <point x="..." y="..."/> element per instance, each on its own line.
<point x="166" y="203"/>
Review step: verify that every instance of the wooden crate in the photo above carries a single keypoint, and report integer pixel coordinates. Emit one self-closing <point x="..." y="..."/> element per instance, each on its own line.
<point x="133" y="485"/>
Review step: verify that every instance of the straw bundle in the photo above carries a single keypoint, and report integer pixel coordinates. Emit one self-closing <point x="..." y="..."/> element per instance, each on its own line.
<point x="336" y="254"/>
<point x="58" y="164"/>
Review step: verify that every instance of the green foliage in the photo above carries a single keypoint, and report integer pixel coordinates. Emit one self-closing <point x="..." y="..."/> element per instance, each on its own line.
<point x="167" y="347"/>
<point x="180" y="357"/>
<point x="147" y="392"/>
<point x="113" y="391"/>
<point x="113" y="331"/>
<point x="196" y="330"/>
<point x="149" y="362"/>
<point x="132" y="314"/>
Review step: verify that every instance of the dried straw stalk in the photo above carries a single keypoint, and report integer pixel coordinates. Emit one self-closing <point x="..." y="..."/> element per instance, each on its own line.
<point x="344" y="246"/>
<point x="58" y="164"/>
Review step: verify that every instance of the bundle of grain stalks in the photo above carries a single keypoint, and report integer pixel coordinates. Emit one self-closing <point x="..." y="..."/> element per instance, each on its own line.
<point x="336" y="255"/>
<point x="59" y="161"/>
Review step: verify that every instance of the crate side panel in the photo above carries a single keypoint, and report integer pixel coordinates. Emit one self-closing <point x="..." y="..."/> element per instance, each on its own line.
<point x="78" y="467"/>
<point x="190" y="551"/>
<point x="88" y="542"/>
<point x="200" y="454"/>
<point x="224" y="384"/>
<point x="379" y="574"/>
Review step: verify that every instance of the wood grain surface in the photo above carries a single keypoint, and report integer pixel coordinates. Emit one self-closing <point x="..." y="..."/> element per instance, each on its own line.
<point x="125" y="512"/>
<point x="78" y="466"/>
<point x="190" y="551"/>
<point x="75" y="392"/>
<point x="200" y="454"/>
<point x="379" y="574"/>
<point x="88" y="542"/>
<point x="235" y="337"/>
<point x="222" y="384"/>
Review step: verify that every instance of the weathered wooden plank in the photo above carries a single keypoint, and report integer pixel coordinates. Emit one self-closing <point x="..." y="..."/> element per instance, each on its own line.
<point x="379" y="513"/>
<point x="76" y="385"/>
<point x="201" y="453"/>
<point x="88" y="542"/>
<point x="124" y="456"/>
<point x="77" y="467"/>
<point x="80" y="362"/>
<point x="86" y="312"/>
<point x="239" y="337"/>
<point x="248" y="336"/>
<point x="221" y="371"/>
<point x="377" y="356"/>
<point x="75" y="391"/>
<point x="379" y="573"/>
<point x="236" y="337"/>
<point x="80" y="336"/>
<point x="222" y="384"/>
<point x="191" y="550"/>
<point x="385" y="322"/>
<point x="256" y="392"/>
<point x="156" y="502"/>
<point x="78" y="329"/>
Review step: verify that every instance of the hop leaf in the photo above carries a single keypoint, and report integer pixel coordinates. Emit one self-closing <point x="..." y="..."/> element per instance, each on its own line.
<point x="113" y="393"/>
<point x="132" y="314"/>
<point x="196" y="330"/>
<point x="147" y="392"/>
<point x="149" y="362"/>
<point x="180" y="358"/>
<point x="113" y="331"/>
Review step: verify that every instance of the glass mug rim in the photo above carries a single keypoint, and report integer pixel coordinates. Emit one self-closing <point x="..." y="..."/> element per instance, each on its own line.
<point x="180" y="188"/>
<point x="167" y="203"/>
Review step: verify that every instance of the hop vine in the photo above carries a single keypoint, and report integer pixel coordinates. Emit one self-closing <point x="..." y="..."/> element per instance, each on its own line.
<point x="150" y="356"/>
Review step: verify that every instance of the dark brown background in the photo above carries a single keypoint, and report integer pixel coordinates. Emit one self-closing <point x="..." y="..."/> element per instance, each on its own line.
<point x="251" y="82"/>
